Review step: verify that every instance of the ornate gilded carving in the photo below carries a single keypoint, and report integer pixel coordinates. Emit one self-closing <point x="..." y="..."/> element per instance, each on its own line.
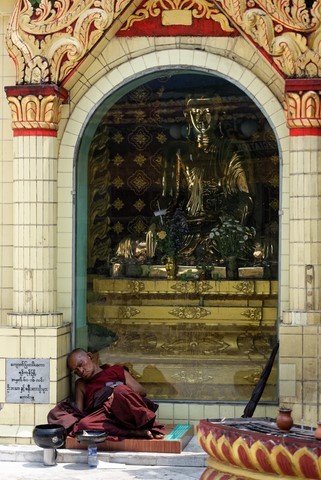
<point x="189" y="312"/>
<point x="156" y="286"/>
<point x="192" y="339"/>
<point x="192" y="287"/>
<point x="303" y="109"/>
<point x="253" y="314"/>
<point x="254" y="344"/>
<point x="195" y="344"/>
<point x="135" y="340"/>
<point x="197" y="8"/>
<point x="136" y="286"/>
<point x="37" y="70"/>
<point x="245" y="288"/>
<point x="46" y="44"/>
<point x="254" y="376"/>
<point x="177" y="349"/>
<point x="197" y="375"/>
<point x="288" y="31"/>
<point x="39" y="108"/>
<point x="128" y="312"/>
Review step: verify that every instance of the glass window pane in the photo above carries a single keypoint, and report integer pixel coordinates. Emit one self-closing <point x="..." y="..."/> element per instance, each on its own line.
<point x="182" y="165"/>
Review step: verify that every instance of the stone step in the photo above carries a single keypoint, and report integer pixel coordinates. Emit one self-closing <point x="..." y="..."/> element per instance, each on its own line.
<point x="192" y="455"/>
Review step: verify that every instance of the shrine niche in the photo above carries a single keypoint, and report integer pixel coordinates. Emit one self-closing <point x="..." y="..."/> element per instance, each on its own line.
<point x="150" y="166"/>
<point x="200" y="334"/>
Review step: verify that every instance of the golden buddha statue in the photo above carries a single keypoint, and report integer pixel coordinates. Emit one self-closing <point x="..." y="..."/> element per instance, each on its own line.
<point x="205" y="174"/>
<point x="211" y="169"/>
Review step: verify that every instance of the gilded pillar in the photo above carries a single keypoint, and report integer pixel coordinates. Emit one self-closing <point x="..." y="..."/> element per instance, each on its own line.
<point x="303" y="108"/>
<point x="35" y="113"/>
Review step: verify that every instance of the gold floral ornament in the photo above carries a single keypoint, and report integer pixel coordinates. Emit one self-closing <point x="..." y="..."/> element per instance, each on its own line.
<point x="196" y="8"/>
<point x="47" y="39"/>
<point x="289" y="31"/>
<point x="232" y="239"/>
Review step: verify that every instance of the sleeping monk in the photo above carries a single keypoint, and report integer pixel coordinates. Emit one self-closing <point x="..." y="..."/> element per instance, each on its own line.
<point x="107" y="398"/>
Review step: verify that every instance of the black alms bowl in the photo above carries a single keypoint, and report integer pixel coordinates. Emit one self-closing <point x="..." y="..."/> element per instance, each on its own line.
<point x="49" y="435"/>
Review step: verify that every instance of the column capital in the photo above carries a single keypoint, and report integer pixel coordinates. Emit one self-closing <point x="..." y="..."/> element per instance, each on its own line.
<point x="36" y="109"/>
<point x="303" y="106"/>
<point x="34" y="320"/>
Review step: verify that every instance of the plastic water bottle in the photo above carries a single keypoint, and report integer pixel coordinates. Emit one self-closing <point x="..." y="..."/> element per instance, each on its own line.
<point x="92" y="455"/>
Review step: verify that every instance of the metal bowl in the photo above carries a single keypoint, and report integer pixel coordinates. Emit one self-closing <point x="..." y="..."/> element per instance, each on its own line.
<point x="91" y="436"/>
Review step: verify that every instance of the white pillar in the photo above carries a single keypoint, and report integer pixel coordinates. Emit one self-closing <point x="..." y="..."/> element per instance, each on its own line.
<point x="304" y="120"/>
<point x="35" y="111"/>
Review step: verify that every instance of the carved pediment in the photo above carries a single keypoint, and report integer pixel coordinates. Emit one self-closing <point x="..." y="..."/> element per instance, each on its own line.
<point x="48" y="41"/>
<point x="62" y="32"/>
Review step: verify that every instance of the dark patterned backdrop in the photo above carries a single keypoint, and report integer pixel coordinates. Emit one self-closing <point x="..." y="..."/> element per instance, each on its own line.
<point x="125" y="164"/>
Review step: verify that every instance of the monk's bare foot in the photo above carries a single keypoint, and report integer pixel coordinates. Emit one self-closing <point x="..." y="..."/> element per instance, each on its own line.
<point x="159" y="436"/>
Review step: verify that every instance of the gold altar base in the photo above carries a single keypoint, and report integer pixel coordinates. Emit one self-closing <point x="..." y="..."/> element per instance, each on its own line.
<point x="204" y="340"/>
<point x="213" y="380"/>
<point x="175" y="440"/>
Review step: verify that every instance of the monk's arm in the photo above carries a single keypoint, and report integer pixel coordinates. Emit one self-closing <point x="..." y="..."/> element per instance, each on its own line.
<point x="133" y="384"/>
<point x="80" y="394"/>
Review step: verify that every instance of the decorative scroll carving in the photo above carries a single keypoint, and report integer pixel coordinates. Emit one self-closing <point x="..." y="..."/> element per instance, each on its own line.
<point x="186" y="351"/>
<point x="136" y="286"/>
<point x="198" y="9"/>
<point x="287" y="31"/>
<point x="61" y="33"/>
<point x="245" y="288"/>
<point x="190" y="339"/>
<point x="46" y="44"/>
<point x="189" y="312"/>
<point x="34" y="107"/>
<point x="194" y="344"/>
<point x="128" y="312"/>
<point x="194" y="376"/>
<point x="37" y="70"/>
<point x="192" y="287"/>
<point x="253" y="314"/>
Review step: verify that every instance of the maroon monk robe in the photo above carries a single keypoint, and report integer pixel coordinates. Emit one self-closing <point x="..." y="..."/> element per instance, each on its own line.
<point x="95" y="386"/>
<point x="119" y="415"/>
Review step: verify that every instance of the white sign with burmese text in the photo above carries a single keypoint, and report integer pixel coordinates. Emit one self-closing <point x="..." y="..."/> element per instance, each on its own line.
<point x="27" y="380"/>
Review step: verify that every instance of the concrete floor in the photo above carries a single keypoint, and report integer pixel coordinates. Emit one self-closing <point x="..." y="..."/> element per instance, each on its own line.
<point x="104" y="471"/>
<point x="25" y="462"/>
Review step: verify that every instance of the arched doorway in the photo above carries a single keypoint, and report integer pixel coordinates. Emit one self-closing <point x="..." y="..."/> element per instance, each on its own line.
<point x="195" y="339"/>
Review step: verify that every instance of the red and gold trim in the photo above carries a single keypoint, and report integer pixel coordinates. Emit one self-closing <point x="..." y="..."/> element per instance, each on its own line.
<point x="36" y="109"/>
<point x="48" y="43"/>
<point x="303" y="106"/>
<point x="250" y="455"/>
<point x="177" y="17"/>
